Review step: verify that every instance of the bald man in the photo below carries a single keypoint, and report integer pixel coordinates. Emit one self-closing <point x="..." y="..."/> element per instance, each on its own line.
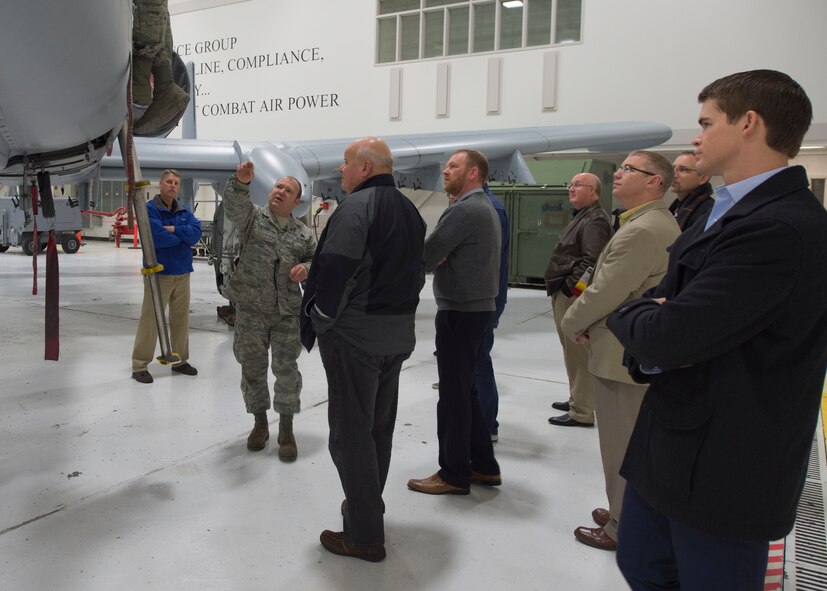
<point x="578" y="249"/>
<point x="361" y="299"/>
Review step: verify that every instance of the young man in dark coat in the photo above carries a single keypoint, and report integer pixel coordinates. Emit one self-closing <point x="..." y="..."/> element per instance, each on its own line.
<point x="734" y="344"/>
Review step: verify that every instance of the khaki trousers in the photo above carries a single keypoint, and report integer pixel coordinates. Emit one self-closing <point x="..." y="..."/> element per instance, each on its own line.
<point x="576" y="358"/>
<point x="175" y="293"/>
<point x="617" y="406"/>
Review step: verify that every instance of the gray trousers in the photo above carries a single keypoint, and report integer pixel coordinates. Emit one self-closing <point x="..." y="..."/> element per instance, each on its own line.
<point x="260" y="335"/>
<point x="363" y="390"/>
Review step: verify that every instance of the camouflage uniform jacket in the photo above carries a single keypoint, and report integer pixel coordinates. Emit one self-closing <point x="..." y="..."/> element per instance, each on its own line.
<point x="268" y="252"/>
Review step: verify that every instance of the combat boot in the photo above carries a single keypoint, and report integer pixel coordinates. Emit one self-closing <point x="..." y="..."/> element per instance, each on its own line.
<point x="287" y="442"/>
<point x="168" y="102"/>
<point x="260" y="433"/>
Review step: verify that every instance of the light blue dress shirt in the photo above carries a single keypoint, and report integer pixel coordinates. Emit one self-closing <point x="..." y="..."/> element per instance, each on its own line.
<point x="728" y="195"/>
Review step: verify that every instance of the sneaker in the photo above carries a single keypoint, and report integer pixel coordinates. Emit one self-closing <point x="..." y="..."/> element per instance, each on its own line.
<point x="186" y="369"/>
<point x="143" y="377"/>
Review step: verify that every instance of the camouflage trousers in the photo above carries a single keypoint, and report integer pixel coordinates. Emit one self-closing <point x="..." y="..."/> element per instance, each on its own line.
<point x="260" y="334"/>
<point x="151" y="32"/>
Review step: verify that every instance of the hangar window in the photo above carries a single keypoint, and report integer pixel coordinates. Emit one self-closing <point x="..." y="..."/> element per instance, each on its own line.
<point x="421" y="29"/>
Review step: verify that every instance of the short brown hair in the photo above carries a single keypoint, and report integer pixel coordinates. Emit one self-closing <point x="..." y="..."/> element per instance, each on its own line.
<point x="478" y="159"/>
<point x="662" y="167"/>
<point x="780" y="100"/>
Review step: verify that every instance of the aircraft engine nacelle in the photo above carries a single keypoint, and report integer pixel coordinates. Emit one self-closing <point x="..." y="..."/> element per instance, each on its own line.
<point x="62" y="99"/>
<point x="272" y="163"/>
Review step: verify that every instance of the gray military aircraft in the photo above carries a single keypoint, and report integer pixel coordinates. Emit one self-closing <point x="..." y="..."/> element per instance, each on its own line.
<point x="63" y="101"/>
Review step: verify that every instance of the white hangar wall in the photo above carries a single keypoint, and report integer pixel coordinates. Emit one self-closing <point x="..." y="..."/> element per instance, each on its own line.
<point x="306" y="70"/>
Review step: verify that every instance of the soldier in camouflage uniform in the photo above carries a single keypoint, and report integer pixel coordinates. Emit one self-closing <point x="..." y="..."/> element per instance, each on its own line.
<point x="152" y="54"/>
<point x="276" y="251"/>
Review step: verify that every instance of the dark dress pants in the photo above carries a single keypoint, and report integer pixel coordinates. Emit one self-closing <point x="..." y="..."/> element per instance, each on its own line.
<point x="484" y="380"/>
<point x="363" y="390"/>
<point x="464" y="439"/>
<point x="656" y="553"/>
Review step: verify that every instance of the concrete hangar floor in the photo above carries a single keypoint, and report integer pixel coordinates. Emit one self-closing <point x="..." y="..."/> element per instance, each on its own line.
<point x="110" y="484"/>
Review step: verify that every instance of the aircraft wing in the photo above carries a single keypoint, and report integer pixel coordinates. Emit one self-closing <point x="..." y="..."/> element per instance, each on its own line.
<point x="418" y="158"/>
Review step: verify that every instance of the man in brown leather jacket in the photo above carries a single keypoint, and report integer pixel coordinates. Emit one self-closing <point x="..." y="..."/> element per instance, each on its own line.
<point x="577" y="250"/>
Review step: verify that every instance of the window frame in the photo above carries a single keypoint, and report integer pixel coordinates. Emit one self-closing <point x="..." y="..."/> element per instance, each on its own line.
<point x="471" y="44"/>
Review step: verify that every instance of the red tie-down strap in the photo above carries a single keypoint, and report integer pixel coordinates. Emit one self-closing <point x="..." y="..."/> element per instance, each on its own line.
<point x="35" y="242"/>
<point x="52" y="301"/>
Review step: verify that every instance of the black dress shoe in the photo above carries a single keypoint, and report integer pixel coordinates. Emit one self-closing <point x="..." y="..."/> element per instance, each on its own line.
<point x="564" y="406"/>
<point x="185" y="368"/>
<point x="566" y="421"/>
<point x="143" y="377"/>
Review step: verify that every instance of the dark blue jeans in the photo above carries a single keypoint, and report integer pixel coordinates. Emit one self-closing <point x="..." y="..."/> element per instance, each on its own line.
<point x="363" y="390"/>
<point x="464" y="440"/>
<point x="484" y="376"/>
<point x="656" y="553"/>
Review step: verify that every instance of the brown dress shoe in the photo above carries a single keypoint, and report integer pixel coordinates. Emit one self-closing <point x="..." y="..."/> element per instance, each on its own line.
<point x="434" y="485"/>
<point x="486" y="479"/>
<point x="186" y="369"/>
<point x="596" y="537"/>
<point x="335" y="542"/>
<point x="601" y="516"/>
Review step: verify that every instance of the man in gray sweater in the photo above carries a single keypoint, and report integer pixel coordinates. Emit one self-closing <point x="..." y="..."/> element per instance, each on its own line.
<point x="463" y="251"/>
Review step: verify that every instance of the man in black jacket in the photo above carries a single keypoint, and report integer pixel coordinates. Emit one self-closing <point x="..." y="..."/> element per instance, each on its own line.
<point x="693" y="190"/>
<point x="734" y="343"/>
<point x="361" y="298"/>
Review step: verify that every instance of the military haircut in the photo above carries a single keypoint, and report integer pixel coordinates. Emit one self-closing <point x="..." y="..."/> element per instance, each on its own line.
<point x="477" y="159"/>
<point x="298" y="184"/>
<point x="659" y="165"/>
<point x="777" y="98"/>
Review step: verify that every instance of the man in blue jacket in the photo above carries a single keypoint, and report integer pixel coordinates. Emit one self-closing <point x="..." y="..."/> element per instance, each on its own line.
<point x="734" y="344"/>
<point x="175" y="230"/>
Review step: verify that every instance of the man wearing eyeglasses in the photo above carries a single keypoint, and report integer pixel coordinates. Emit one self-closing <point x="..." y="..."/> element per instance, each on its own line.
<point x="693" y="190"/>
<point x="578" y="249"/>
<point x="738" y="331"/>
<point x="634" y="260"/>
